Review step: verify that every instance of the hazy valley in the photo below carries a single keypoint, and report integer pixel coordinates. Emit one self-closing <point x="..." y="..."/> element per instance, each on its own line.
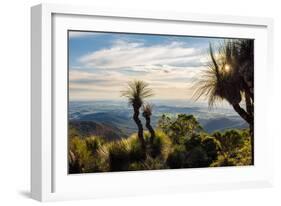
<point x="113" y="119"/>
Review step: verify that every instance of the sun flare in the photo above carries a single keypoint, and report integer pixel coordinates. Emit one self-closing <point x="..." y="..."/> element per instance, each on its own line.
<point x="227" y="68"/>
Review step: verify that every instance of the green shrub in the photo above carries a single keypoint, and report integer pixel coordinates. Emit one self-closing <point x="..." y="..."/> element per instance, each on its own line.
<point x="198" y="151"/>
<point x="79" y="155"/>
<point x="192" y="142"/>
<point x="230" y="141"/>
<point x="177" y="158"/>
<point x="197" y="157"/>
<point x="136" y="152"/>
<point x="119" y="155"/>
<point x="202" y="150"/>
<point x="161" y="145"/>
<point x="235" y="148"/>
<point x="212" y="147"/>
<point x="94" y="143"/>
<point x="102" y="159"/>
<point x="179" y="128"/>
<point x="244" y="154"/>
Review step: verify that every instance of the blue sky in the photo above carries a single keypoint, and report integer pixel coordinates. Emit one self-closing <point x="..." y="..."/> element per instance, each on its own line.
<point x="100" y="64"/>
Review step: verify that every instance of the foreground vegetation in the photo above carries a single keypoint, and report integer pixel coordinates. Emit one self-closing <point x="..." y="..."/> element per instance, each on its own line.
<point x="179" y="142"/>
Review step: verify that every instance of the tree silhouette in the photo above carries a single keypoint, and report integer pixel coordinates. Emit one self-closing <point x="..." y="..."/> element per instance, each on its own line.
<point x="230" y="77"/>
<point x="136" y="92"/>
<point x="147" y="112"/>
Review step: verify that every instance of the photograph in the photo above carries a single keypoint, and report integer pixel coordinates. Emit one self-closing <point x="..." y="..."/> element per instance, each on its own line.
<point x="140" y="102"/>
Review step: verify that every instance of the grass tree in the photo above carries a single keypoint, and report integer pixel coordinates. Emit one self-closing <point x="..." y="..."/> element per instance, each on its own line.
<point x="230" y="77"/>
<point x="147" y="112"/>
<point x="136" y="91"/>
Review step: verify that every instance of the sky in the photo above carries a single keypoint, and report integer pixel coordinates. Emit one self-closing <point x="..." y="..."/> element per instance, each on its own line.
<point x="101" y="64"/>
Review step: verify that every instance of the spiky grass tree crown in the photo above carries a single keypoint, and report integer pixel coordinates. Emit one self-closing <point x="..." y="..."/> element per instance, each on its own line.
<point x="222" y="79"/>
<point x="147" y="110"/>
<point x="136" y="92"/>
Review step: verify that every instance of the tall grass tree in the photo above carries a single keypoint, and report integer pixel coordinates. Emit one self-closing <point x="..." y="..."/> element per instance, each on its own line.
<point x="136" y="91"/>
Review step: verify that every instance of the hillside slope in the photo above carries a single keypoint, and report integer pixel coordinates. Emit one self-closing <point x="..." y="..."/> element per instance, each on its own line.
<point x="92" y="128"/>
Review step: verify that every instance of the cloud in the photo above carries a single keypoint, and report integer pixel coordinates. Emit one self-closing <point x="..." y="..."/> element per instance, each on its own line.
<point x="124" y="54"/>
<point x="107" y="84"/>
<point x="170" y="69"/>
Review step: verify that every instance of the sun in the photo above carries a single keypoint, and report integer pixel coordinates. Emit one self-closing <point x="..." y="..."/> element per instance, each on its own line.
<point x="227" y="68"/>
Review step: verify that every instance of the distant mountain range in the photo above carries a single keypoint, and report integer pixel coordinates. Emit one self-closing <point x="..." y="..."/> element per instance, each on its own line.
<point x="220" y="124"/>
<point x="92" y="128"/>
<point x="114" y="120"/>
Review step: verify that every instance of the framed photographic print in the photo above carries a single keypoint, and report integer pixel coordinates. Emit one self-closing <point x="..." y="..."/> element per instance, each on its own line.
<point x="133" y="102"/>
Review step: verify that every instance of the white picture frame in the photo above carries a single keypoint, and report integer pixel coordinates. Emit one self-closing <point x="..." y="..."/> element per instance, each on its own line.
<point x="49" y="179"/>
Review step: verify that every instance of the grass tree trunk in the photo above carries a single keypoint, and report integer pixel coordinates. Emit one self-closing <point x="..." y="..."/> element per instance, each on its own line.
<point x="242" y="113"/>
<point x="140" y="128"/>
<point x="150" y="128"/>
<point x="249" y="104"/>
